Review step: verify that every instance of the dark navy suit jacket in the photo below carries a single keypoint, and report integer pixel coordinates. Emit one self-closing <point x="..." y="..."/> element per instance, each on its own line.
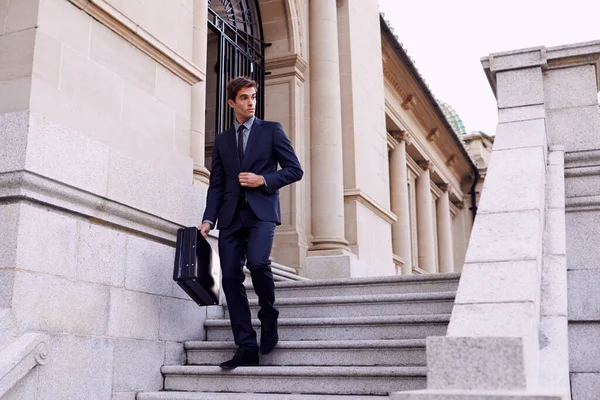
<point x="267" y="146"/>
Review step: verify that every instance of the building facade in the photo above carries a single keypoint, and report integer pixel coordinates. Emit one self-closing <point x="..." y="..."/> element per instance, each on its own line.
<point x="108" y="112"/>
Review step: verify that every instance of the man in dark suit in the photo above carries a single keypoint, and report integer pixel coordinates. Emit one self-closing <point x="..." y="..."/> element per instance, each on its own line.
<point x="243" y="196"/>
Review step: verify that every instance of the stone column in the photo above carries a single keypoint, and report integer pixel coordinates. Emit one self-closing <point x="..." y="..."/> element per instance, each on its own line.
<point x="399" y="200"/>
<point x="444" y="226"/>
<point x="197" y="139"/>
<point x="327" y="179"/>
<point x="425" y="218"/>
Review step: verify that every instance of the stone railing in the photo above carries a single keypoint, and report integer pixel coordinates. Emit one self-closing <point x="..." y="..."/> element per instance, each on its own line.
<point x="20" y="357"/>
<point x="508" y="336"/>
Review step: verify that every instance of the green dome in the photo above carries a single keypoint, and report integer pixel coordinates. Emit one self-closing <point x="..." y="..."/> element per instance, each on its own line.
<point x="453" y="118"/>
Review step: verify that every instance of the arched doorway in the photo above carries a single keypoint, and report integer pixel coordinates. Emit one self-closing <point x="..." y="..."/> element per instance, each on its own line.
<point x="235" y="47"/>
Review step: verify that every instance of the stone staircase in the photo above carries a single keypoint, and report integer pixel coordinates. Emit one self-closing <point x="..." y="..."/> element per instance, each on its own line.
<point x="339" y="339"/>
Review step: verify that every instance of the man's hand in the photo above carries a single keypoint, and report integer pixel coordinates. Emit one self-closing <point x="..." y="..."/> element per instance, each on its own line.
<point x="204" y="229"/>
<point x="248" y="179"/>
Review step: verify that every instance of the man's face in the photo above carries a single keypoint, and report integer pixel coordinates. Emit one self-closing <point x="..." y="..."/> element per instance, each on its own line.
<point x="244" y="104"/>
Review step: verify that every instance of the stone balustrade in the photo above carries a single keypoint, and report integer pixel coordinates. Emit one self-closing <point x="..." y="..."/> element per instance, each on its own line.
<point x="509" y="336"/>
<point x="20" y="357"/>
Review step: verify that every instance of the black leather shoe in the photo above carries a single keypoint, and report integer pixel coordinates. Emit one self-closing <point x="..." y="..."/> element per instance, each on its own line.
<point x="242" y="358"/>
<point x="268" y="338"/>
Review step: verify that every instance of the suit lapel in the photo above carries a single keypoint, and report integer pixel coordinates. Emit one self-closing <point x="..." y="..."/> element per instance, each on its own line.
<point x="254" y="132"/>
<point x="232" y="144"/>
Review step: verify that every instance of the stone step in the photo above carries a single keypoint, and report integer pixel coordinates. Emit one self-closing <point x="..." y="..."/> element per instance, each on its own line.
<point x="301" y="380"/>
<point x="281" y="273"/>
<point x="282" y="267"/>
<point x="247" y="396"/>
<point x="320" y="353"/>
<point x="363" y="286"/>
<point x="355" y="306"/>
<point x="344" y="328"/>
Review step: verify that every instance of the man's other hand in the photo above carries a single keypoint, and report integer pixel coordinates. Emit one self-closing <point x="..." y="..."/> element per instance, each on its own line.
<point x="248" y="179"/>
<point x="204" y="229"/>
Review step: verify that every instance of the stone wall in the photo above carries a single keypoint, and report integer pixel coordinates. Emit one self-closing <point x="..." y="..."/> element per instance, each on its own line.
<point x="365" y="156"/>
<point x="95" y="179"/>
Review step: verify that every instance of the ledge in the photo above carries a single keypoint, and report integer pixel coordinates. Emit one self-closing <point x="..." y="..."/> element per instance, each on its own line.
<point x="132" y="32"/>
<point x="580" y="204"/>
<point x="30" y="187"/>
<point x="370" y="203"/>
<point x="286" y="65"/>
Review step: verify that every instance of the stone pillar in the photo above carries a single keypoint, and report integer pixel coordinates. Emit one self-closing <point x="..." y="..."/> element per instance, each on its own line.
<point x="197" y="139"/>
<point x="425" y="218"/>
<point x="444" y="225"/>
<point x="326" y="130"/>
<point x="399" y="200"/>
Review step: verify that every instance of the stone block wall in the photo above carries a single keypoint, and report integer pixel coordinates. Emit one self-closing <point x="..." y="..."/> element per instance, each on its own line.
<point x="365" y="159"/>
<point x="95" y="179"/>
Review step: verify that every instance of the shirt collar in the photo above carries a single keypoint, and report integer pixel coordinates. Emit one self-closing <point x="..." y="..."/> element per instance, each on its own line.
<point x="247" y="124"/>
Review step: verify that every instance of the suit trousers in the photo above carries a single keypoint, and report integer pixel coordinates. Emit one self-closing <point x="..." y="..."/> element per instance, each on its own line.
<point x="247" y="240"/>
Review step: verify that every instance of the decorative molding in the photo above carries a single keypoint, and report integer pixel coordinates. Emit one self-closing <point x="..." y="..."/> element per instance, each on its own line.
<point x="202" y="174"/>
<point x="436" y="193"/>
<point x="453" y="210"/>
<point x="434" y="134"/>
<point x="30" y="187"/>
<point x="397" y="260"/>
<point x="370" y="203"/>
<point x="451" y="160"/>
<point x="20" y="357"/>
<point x="385" y="55"/>
<point x="413" y="166"/>
<point x="286" y="65"/>
<point x="392" y="80"/>
<point x="133" y="33"/>
<point x="391" y="142"/>
<point x="421" y="120"/>
<point x="298" y="19"/>
<point x="423" y="149"/>
<point x="420" y="271"/>
<point x="578" y="159"/>
<point x="580" y="204"/>
<point x="593" y="170"/>
<point x="460" y="205"/>
<point x="409" y="102"/>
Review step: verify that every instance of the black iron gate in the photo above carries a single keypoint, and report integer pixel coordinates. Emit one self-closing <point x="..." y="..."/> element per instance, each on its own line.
<point x="241" y="51"/>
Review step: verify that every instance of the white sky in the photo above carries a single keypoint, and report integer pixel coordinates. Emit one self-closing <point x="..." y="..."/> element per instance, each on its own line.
<point x="446" y="40"/>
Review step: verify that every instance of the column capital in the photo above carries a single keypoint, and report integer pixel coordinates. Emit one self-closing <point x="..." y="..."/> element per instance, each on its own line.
<point x="425" y="165"/>
<point x="401" y="136"/>
<point x="444" y="187"/>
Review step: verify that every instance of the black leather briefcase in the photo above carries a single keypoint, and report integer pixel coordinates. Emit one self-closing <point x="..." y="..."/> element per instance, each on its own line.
<point x="194" y="270"/>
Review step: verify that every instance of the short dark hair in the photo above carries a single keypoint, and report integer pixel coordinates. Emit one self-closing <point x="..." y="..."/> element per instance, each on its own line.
<point x="234" y="86"/>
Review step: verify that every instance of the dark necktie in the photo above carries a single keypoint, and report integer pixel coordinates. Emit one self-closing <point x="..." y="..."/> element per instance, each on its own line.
<point x="240" y="143"/>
